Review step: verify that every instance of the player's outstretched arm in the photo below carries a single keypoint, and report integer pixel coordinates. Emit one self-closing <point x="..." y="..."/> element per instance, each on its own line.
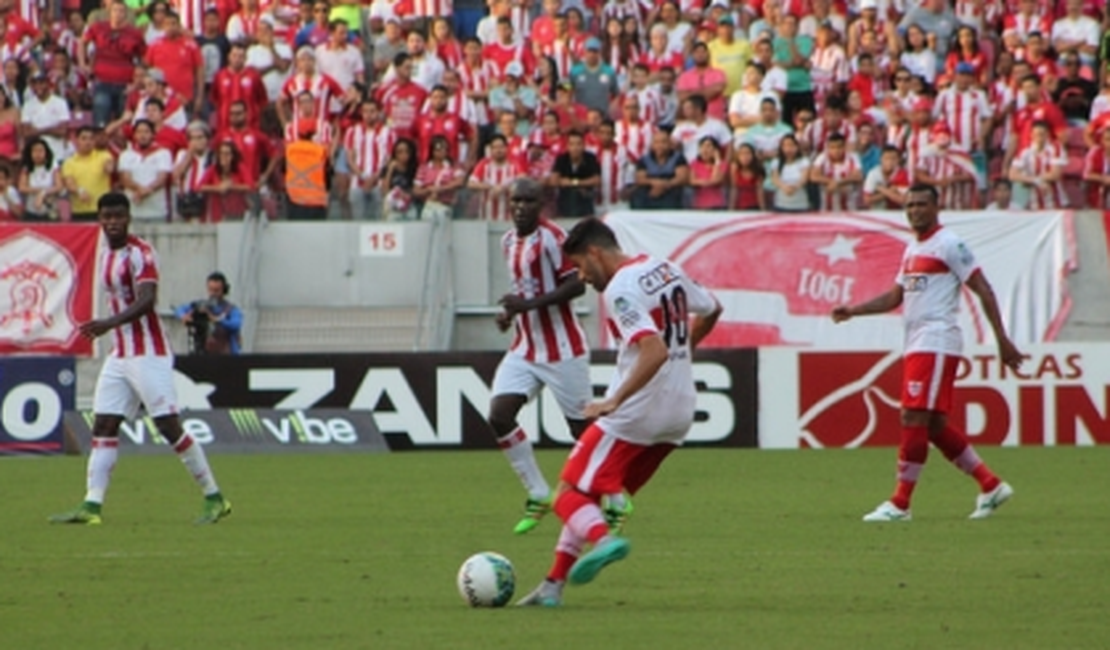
<point x="569" y="288"/>
<point x="650" y="358"/>
<point x="144" y="303"/>
<point x="703" y="325"/>
<point x="1011" y="356"/>
<point x="888" y="301"/>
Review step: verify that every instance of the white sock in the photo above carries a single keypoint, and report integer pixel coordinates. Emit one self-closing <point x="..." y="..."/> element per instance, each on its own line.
<point x="518" y="449"/>
<point x="192" y="455"/>
<point x="102" y="459"/>
<point x="617" y="501"/>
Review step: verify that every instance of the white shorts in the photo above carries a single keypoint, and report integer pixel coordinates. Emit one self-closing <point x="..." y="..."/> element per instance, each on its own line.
<point x="127" y="382"/>
<point x="568" y="380"/>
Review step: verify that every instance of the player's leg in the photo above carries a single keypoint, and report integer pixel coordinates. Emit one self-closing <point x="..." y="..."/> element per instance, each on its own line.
<point x="113" y="401"/>
<point x="921" y="381"/>
<point x="513" y="385"/>
<point x="153" y="380"/>
<point x="993" y="492"/>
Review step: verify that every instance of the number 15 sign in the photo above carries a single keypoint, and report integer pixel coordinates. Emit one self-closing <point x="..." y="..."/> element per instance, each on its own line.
<point x="381" y="240"/>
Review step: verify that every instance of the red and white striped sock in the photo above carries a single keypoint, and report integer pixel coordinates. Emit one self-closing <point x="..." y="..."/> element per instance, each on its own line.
<point x="192" y="455"/>
<point x="102" y="459"/>
<point x="518" y="450"/>
<point x="582" y="515"/>
<point x="912" y="453"/>
<point x="567" y="550"/>
<point x="956" y="448"/>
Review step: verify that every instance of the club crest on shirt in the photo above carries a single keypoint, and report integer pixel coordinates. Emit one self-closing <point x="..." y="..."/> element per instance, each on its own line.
<point x="622" y="305"/>
<point x="914" y="388"/>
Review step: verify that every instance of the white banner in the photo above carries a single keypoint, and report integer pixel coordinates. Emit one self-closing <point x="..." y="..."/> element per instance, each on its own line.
<point x="819" y="399"/>
<point x="778" y="276"/>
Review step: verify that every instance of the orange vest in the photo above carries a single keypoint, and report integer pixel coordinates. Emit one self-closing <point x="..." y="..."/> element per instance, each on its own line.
<point x="304" y="173"/>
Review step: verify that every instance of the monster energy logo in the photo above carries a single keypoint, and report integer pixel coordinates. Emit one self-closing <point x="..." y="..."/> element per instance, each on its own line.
<point x="247" y="423"/>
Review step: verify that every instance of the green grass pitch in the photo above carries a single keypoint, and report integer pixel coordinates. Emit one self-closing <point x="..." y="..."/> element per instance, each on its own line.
<point x="731" y="549"/>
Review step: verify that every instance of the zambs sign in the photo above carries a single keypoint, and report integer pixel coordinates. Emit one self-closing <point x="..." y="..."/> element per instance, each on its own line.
<point x="812" y="399"/>
<point x="402" y="401"/>
<point x="249" y="429"/>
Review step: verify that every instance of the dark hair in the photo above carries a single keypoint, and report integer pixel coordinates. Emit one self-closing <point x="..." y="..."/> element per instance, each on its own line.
<point x="891" y="148"/>
<point x="154" y="101"/>
<point x="113" y="200"/>
<point x="336" y="24"/>
<point x="216" y="276"/>
<point x="495" y="137"/>
<point x="589" y="232"/>
<point x="699" y="102"/>
<point x="782" y="155"/>
<point x="236" y="157"/>
<point x="472" y="39"/>
<point x="835" y="137"/>
<point x="400" y="59"/>
<point x="85" y="128"/>
<point x="436" y="139"/>
<point x="440" y="87"/>
<point x="756" y="166"/>
<point x="606" y="121"/>
<point x="29" y="164"/>
<point x="926" y="188"/>
<point x="1003" y="182"/>
<point x="759" y="67"/>
<point x="410" y="171"/>
<point x="1030" y="77"/>
<point x="140" y="122"/>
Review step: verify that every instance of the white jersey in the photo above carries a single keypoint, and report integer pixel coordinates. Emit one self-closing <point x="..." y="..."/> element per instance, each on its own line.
<point x="932" y="273"/>
<point x="123" y="270"/>
<point x="536" y="265"/>
<point x="647" y="297"/>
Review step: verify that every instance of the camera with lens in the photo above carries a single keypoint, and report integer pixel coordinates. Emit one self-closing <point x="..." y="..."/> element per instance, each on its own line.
<point x="200" y="326"/>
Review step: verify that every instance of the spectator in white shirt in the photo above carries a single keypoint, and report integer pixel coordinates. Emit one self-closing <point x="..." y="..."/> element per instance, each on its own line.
<point x="340" y="60"/>
<point x="46" y="115"/>
<point x="1077" y="33"/>
<point x="697" y="125"/>
<point x="144" y="170"/>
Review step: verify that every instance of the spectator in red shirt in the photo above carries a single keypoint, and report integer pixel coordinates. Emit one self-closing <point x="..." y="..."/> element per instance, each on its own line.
<point x="118" y="46"/>
<point x="259" y="157"/>
<point x="452" y="127"/>
<point x="508" y="49"/>
<point x="572" y="116"/>
<point x="227" y="183"/>
<point x="402" y="98"/>
<point x="176" y="54"/>
<point x="238" y="83"/>
<point x="1038" y="107"/>
<point x="543" y="28"/>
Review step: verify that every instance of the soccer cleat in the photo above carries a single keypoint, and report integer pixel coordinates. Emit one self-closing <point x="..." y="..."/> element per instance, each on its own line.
<point x="88" y="513"/>
<point x="534" y="510"/>
<point x="548" y="594"/>
<point x="616" y="516"/>
<point x="216" y="507"/>
<point x="887" y="511"/>
<point x="607" y="551"/>
<point x="987" y="502"/>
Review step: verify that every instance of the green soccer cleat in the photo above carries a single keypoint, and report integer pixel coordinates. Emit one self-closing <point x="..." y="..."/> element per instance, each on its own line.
<point x="534" y="511"/>
<point x="617" y="517"/>
<point x="216" y="507"/>
<point x="607" y="551"/>
<point x="88" y="513"/>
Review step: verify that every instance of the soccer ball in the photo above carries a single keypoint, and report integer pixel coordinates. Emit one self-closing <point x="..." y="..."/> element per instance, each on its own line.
<point x="486" y="580"/>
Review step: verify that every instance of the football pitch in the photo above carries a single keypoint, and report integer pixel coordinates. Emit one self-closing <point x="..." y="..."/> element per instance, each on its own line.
<point x="730" y="549"/>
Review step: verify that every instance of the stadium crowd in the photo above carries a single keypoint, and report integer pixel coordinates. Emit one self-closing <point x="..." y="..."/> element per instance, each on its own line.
<point x="206" y="109"/>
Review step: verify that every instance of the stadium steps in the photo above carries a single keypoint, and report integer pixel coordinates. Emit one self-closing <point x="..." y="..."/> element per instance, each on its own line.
<point x="336" y="330"/>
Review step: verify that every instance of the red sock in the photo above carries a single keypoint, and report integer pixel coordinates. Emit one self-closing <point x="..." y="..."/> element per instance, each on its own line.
<point x="955" y="447"/>
<point x="561" y="568"/>
<point x="582" y="515"/>
<point x="912" y="452"/>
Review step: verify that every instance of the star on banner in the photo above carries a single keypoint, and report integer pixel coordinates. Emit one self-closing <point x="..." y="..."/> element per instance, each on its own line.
<point x="842" y="248"/>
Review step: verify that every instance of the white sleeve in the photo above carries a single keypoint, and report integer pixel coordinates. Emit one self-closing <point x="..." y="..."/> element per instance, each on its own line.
<point x="629" y="312"/>
<point x="698" y="299"/>
<point x="960" y="259"/>
<point x="1091" y="33"/>
<point x="871" y="183"/>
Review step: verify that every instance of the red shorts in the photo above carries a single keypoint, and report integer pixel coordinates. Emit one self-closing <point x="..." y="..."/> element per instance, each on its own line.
<point x="927" y="380"/>
<point x="603" y="464"/>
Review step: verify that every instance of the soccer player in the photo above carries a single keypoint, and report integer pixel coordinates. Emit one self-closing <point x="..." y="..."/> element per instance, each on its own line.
<point x="139" y="369"/>
<point x="648" y="408"/>
<point x="934" y="269"/>
<point x="549" y="346"/>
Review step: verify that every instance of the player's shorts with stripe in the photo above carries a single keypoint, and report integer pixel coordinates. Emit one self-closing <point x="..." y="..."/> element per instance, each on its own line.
<point x="601" y="463"/>
<point x="927" y="381"/>
<point x="569" y="381"/>
<point x="127" y="382"/>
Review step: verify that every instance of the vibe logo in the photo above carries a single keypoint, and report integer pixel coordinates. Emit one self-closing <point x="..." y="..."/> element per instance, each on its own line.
<point x="293" y="427"/>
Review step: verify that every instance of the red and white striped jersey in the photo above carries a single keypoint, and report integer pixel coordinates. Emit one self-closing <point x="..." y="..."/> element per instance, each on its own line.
<point x="617" y="172"/>
<point x="29" y="11"/>
<point x="1037" y="162"/>
<point x="621" y="64"/>
<point x="499" y="174"/>
<point x="828" y="67"/>
<point x="190" y="181"/>
<point x="477" y="80"/>
<point x="669" y="59"/>
<point x="917" y="146"/>
<point x="622" y="9"/>
<point x="192" y="14"/>
<point x="321" y="86"/>
<point x="964" y="113"/>
<point x="433" y="8"/>
<point x="123" y="270"/>
<point x="69" y="43"/>
<point x="818" y="131"/>
<point x="970" y="12"/>
<point x="634" y="138"/>
<point x="897" y="135"/>
<point x="458" y="104"/>
<point x="651" y="103"/>
<point x="323" y="131"/>
<point x="1003" y="100"/>
<point x="941" y="164"/>
<point x="369" y="147"/>
<point x="562" y="53"/>
<point x="847" y="197"/>
<point x="1022" y="26"/>
<point x="536" y="265"/>
<point x="1097" y="162"/>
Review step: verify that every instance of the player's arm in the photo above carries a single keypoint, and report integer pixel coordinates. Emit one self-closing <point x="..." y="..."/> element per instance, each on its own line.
<point x="651" y="354"/>
<point x="569" y="288"/>
<point x="881" y="304"/>
<point x="1006" y="348"/>
<point x="703" y="324"/>
<point x="146" y="298"/>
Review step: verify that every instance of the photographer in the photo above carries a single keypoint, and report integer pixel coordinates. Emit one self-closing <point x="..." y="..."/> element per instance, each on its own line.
<point x="214" y="323"/>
